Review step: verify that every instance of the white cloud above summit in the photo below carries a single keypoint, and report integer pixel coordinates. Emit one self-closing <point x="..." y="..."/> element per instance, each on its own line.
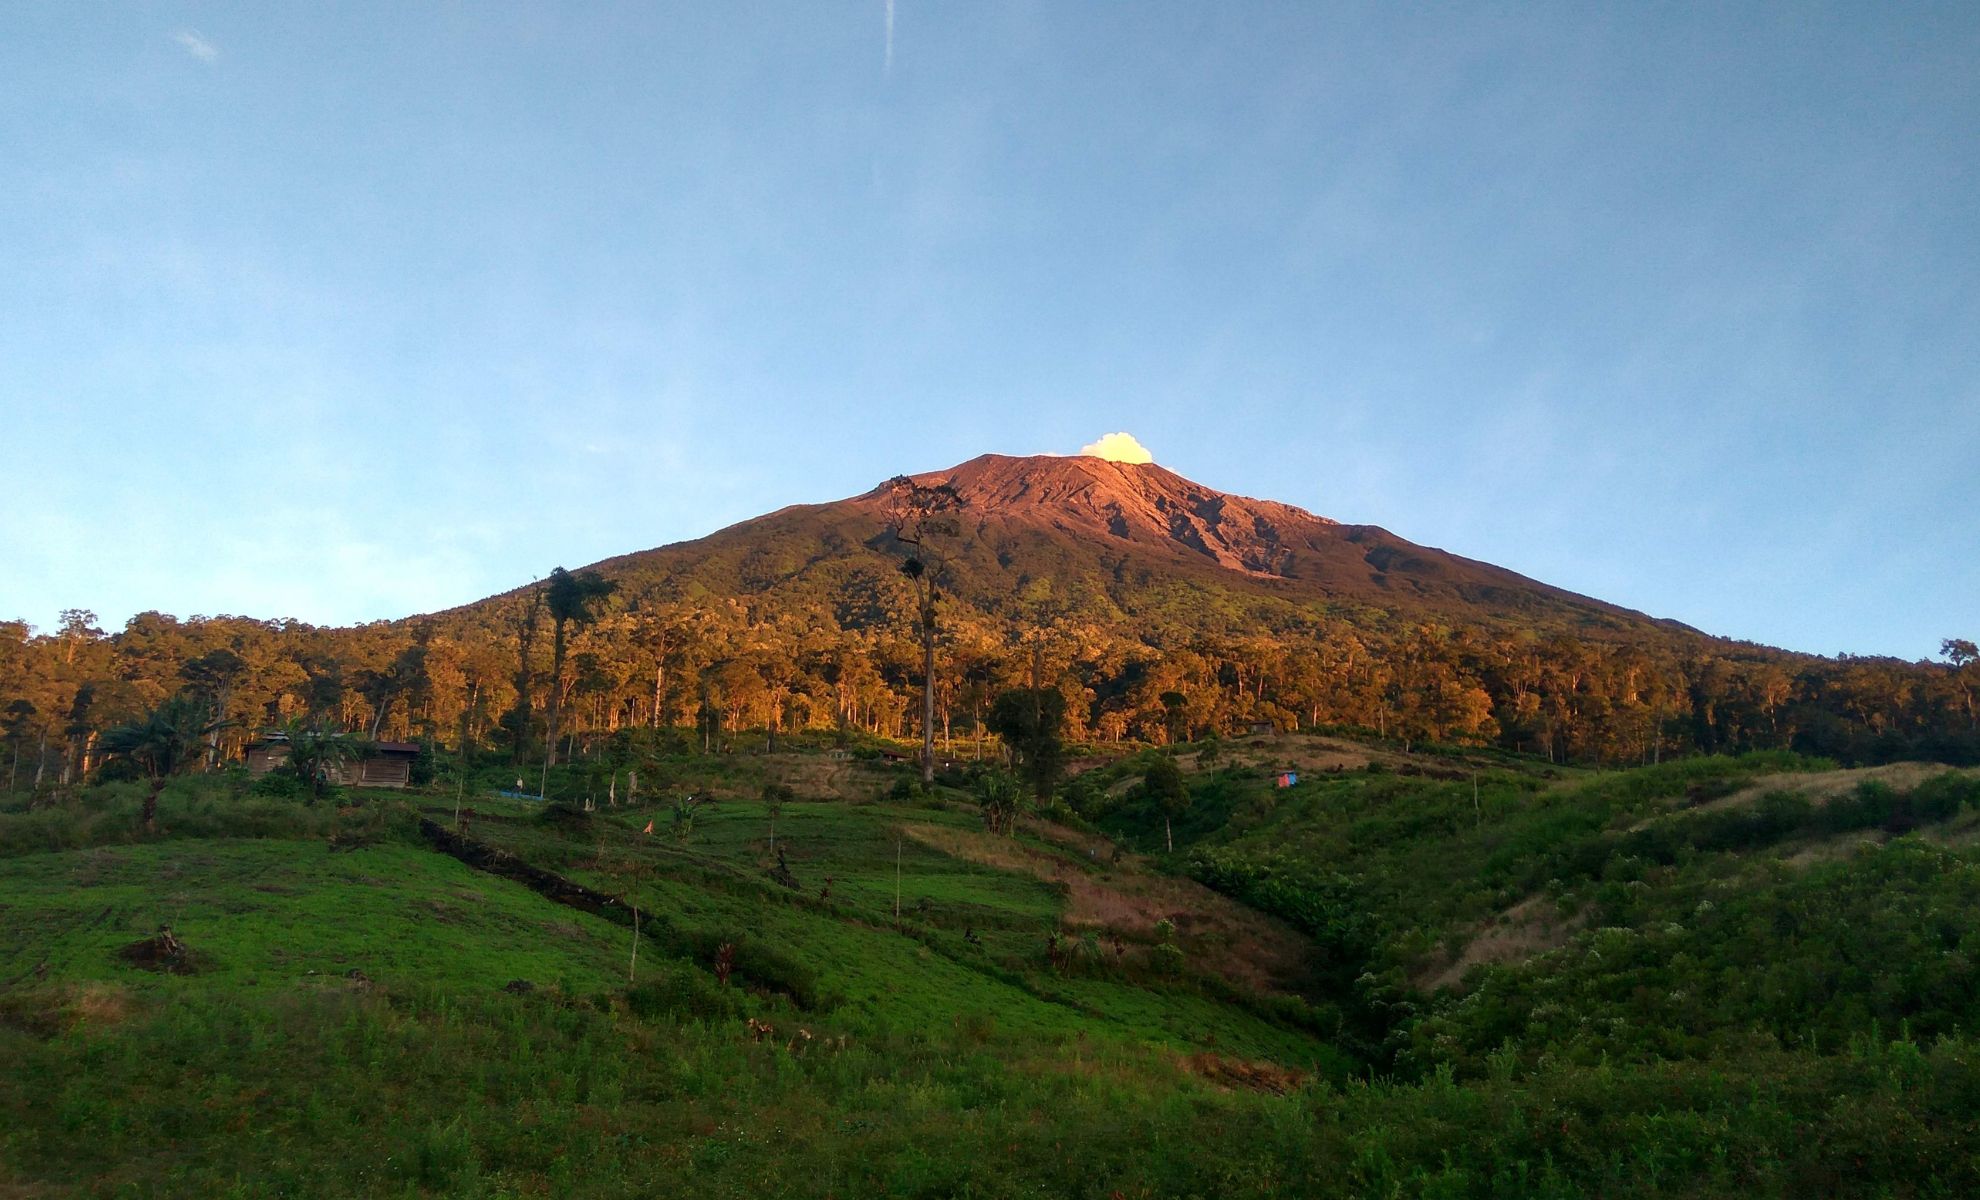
<point x="1118" y="447"/>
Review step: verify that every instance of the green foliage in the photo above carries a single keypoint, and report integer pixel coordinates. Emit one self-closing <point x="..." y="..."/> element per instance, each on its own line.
<point x="998" y="798"/>
<point x="1032" y="724"/>
<point x="1743" y="1002"/>
<point x="676" y="992"/>
<point x="757" y="962"/>
<point x="279" y="785"/>
<point x="1327" y="907"/>
<point x="316" y="755"/>
<point x="188" y="809"/>
<point x="1082" y="794"/>
<point x="1163" y="787"/>
<point x="1703" y="967"/>
<point x="166" y="740"/>
<point x="1208" y="752"/>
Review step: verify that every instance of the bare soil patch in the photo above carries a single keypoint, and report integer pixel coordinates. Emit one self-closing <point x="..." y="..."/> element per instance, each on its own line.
<point x="1237" y="1074"/>
<point x="821" y="777"/>
<point x="1531" y="927"/>
<point x="48" y="1012"/>
<point x="1820" y="787"/>
<point x="163" y="952"/>
<point x="1214" y="931"/>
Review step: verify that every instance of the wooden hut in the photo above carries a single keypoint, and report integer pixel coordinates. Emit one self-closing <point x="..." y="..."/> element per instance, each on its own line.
<point x="384" y="764"/>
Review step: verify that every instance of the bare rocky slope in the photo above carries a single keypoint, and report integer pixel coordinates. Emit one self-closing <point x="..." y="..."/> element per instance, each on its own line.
<point x="1109" y="539"/>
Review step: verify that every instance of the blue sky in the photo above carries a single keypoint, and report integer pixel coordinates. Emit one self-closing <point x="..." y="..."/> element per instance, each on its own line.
<point x="350" y="312"/>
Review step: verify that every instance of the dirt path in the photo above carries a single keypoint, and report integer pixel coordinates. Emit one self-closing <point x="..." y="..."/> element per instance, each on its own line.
<point x="547" y="884"/>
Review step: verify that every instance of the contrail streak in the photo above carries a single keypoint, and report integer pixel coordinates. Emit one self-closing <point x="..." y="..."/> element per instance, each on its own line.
<point x="889" y="67"/>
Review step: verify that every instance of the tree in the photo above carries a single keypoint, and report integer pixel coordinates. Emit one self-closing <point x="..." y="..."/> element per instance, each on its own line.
<point x="1209" y="752"/>
<point x="570" y="598"/>
<point x="162" y="744"/>
<point x="1031" y="721"/>
<point x="528" y="618"/>
<point x="19" y="718"/>
<point x="78" y="626"/>
<point x="212" y="677"/>
<point x="997" y="797"/>
<point x="775" y="796"/>
<point x="1164" y="786"/>
<point x="81" y="731"/>
<point x="315" y="755"/>
<point x="922" y="519"/>
<point x="1175" y="715"/>
<point x="406" y="676"/>
<point x="1965" y="659"/>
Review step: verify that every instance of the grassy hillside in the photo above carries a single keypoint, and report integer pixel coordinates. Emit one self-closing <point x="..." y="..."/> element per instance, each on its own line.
<point x="1721" y="976"/>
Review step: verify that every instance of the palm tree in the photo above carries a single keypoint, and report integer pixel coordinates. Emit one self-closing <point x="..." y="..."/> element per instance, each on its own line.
<point x="164" y="743"/>
<point x="315" y="756"/>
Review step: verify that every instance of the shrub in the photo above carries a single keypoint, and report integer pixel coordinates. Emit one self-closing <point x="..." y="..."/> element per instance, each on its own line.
<point x="682" y="993"/>
<point x="280" y="785"/>
<point x="1870" y="804"/>
<point x="755" y="962"/>
<point x="1782" y="814"/>
<point x="999" y="796"/>
<point x="1941" y="797"/>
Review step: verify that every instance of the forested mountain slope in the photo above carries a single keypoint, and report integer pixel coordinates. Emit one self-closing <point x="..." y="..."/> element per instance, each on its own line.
<point x="1160" y="609"/>
<point x="1108" y="540"/>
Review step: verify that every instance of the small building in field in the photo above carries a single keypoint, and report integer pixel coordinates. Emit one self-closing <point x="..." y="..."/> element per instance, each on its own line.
<point x="384" y="764"/>
<point x="389" y="765"/>
<point x="1263" y="729"/>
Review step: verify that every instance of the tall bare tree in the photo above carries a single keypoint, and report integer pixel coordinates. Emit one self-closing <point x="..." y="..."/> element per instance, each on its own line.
<point x="570" y="598"/>
<point x="922" y="519"/>
<point x="212" y="677"/>
<point x="528" y="619"/>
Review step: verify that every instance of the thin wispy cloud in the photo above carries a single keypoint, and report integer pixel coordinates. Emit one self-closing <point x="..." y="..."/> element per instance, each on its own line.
<point x="192" y="43"/>
<point x="888" y="67"/>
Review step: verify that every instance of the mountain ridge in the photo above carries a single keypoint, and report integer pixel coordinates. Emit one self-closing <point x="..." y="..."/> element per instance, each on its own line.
<point x="1123" y="528"/>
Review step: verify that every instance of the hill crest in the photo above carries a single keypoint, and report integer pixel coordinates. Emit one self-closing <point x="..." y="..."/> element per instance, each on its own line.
<point x="1113" y="539"/>
<point x="1136" y="503"/>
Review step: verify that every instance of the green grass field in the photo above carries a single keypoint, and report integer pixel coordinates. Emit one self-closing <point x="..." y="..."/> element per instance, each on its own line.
<point x="1739" y="998"/>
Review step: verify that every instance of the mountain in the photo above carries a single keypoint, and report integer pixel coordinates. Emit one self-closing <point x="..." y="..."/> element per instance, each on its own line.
<point x="1142" y="586"/>
<point x="1109" y="538"/>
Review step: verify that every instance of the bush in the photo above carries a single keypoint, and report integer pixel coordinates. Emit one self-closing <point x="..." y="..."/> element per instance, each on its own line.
<point x="279" y="785"/>
<point x="1870" y="804"/>
<point x="682" y="993"/>
<point x="755" y="962"/>
<point x="1941" y="797"/>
